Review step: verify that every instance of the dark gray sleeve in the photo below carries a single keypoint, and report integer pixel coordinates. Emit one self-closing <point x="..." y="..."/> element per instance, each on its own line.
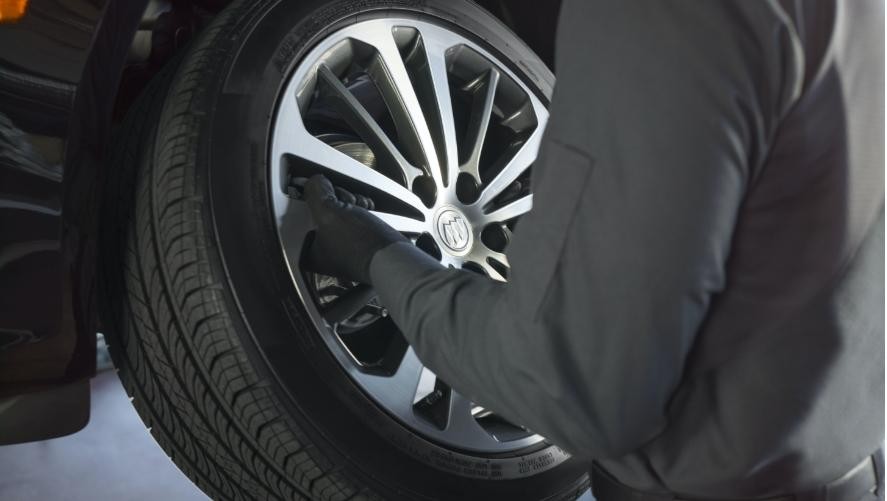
<point x="661" y="115"/>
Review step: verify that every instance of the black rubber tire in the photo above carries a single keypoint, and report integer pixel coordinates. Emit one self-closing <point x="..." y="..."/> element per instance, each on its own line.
<point x="194" y="291"/>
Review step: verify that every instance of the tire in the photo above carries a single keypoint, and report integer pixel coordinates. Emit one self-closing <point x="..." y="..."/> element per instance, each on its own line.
<point x="211" y="339"/>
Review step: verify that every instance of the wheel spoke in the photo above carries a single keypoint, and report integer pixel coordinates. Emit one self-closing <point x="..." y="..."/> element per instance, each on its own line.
<point x="407" y="378"/>
<point x="401" y="223"/>
<point x="498" y="256"/>
<point x="436" y="51"/>
<point x="484" y="89"/>
<point x="356" y="115"/>
<point x="291" y="138"/>
<point x="492" y="272"/>
<point x="394" y="82"/>
<point x="395" y="391"/>
<point x="349" y="304"/>
<point x="461" y="421"/>
<point x="520" y="162"/>
<point x="511" y="210"/>
<point x="426" y="384"/>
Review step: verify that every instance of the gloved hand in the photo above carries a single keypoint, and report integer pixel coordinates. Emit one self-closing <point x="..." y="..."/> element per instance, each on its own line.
<point x="347" y="235"/>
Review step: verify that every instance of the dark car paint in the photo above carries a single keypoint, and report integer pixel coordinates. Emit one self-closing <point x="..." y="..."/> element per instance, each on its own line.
<point x="59" y="71"/>
<point x="60" y="78"/>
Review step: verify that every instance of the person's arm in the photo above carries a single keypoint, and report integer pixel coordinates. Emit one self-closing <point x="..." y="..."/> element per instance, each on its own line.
<point x="661" y="116"/>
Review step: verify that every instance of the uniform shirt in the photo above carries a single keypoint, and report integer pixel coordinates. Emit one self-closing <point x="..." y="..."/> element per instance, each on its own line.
<point x="697" y="299"/>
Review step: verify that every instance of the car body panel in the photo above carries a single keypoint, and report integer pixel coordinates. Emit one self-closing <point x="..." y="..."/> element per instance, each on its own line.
<point x="59" y="70"/>
<point x="49" y="413"/>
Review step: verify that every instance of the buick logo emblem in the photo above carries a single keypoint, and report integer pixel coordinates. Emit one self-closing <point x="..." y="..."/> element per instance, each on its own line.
<point x="453" y="230"/>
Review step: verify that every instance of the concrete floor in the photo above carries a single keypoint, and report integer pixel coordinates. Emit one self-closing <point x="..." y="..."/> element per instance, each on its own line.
<point x="113" y="458"/>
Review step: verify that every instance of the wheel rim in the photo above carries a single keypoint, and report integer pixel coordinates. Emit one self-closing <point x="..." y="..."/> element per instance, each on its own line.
<point x="446" y="158"/>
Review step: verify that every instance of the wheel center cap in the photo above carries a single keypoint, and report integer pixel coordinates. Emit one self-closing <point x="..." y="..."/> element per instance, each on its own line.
<point x="453" y="230"/>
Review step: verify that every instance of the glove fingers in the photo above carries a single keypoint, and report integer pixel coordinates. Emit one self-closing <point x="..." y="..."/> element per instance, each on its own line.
<point x="346" y="196"/>
<point x="364" y="202"/>
<point x="361" y="201"/>
<point x="319" y="190"/>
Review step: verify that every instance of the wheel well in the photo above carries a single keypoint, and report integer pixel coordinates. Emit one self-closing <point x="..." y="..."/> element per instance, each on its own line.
<point x="168" y="25"/>
<point x="533" y="21"/>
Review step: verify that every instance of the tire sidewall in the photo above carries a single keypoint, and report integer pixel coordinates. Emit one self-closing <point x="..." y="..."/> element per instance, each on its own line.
<point x="350" y="430"/>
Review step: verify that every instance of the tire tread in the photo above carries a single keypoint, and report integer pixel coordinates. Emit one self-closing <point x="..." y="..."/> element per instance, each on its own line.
<point x="173" y="342"/>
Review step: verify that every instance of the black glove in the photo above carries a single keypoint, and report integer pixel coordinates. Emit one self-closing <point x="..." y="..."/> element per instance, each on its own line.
<point x="347" y="235"/>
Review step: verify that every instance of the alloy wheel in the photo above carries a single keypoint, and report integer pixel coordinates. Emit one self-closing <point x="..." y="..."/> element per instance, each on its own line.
<point x="441" y="135"/>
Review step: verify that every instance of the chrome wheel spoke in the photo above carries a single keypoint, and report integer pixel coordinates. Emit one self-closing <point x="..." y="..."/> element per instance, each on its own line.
<point x="484" y="90"/>
<point x="426" y="384"/>
<point x="394" y="390"/>
<point x="299" y="143"/>
<point x="407" y="377"/>
<point x="397" y="89"/>
<point x="401" y="223"/>
<point x="517" y="165"/>
<point x="486" y="257"/>
<point x="460" y="421"/>
<point x="511" y="210"/>
<point x="498" y="256"/>
<point x="356" y="115"/>
<point x="492" y="272"/>
<point x="436" y="49"/>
